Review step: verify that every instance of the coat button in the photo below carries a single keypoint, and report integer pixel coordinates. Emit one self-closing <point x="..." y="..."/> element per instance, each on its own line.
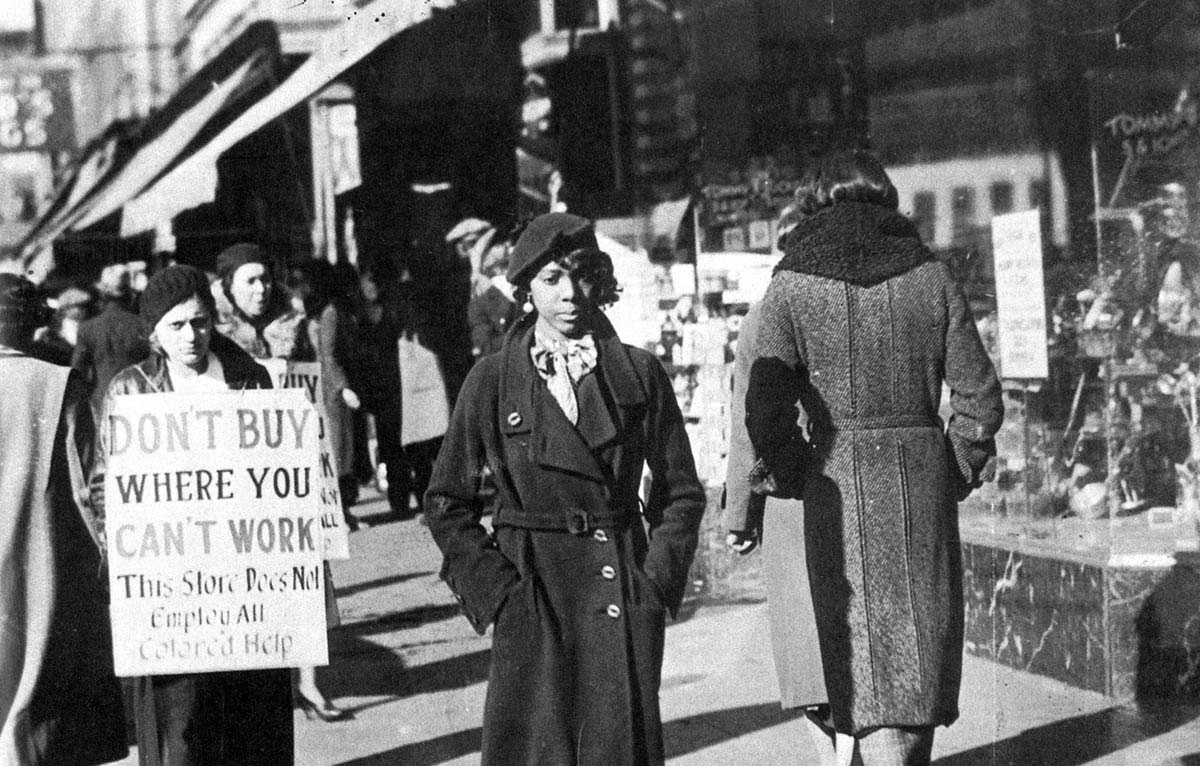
<point x="613" y="611"/>
<point x="514" y="419"/>
<point x="600" y="536"/>
<point x="607" y="572"/>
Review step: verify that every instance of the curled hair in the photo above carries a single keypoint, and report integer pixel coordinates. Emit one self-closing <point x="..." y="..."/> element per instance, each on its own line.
<point x="845" y="176"/>
<point x="590" y="265"/>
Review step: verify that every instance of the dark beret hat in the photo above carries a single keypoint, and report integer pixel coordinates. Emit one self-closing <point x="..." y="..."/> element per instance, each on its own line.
<point x="234" y="257"/>
<point x="22" y="304"/>
<point x="170" y="287"/>
<point x="548" y="237"/>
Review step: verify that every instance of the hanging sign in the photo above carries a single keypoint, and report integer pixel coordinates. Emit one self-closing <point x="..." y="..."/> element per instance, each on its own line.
<point x="1020" y="295"/>
<point x="213" y="532"/>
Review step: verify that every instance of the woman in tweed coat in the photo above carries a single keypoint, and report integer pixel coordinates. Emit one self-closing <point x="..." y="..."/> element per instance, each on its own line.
<point x="861" y="325"/>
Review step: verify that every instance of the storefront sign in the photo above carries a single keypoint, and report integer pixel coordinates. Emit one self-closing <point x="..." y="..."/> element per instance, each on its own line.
<point x="213" y="532"/>
<point x="36" y="112"/>
<point x="306" y="376"/>
<point x="1020" y="295"/>
<point x="742" y="217"/>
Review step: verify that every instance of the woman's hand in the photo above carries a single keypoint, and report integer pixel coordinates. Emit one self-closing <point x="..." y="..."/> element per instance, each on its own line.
<point x="351" y="399"/>
<point x="742" y="541"/>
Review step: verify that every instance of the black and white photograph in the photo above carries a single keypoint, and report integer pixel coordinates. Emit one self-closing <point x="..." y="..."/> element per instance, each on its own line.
<point x="600" y="382"/>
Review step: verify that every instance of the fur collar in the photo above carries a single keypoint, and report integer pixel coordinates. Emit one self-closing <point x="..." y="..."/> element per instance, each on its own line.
<point x="854" y="242"/>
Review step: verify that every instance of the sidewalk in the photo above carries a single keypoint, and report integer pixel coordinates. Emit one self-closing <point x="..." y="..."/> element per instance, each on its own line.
<point x="413" y="672"/>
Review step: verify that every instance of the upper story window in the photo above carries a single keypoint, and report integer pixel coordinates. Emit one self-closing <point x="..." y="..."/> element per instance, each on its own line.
<point x="1002" y="197"/>
<point x="924" y="214"/>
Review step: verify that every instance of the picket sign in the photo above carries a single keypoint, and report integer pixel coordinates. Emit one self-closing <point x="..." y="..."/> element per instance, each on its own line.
<point x="307" y="377"/>
<point x="213" y="532"/>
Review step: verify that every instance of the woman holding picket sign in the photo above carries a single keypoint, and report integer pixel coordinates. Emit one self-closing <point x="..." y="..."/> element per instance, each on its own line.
<point x="201" y="719"/>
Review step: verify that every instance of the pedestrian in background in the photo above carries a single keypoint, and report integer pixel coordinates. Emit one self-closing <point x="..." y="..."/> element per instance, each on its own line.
<point x="564" y="417"/>
<point x="260" y="318"/>
<point x="777" y="525"/>
<point x="252" y="312"/>
<point x="59" y="701"/>
<point x="493" y="311"/>
<point x="242" y="717"/>
<point x="331" y="303"/>
<point x="112" y="340"/>
<point x="861" y="325"/>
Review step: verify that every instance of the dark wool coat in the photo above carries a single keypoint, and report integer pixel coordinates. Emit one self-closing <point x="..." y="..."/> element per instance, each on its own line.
<point x="207" y="719"/>
<point x="577" y="591"/>
<point x="59" y="700"/>
<point x="108" y="344"/>
<point x="862" y="326"/>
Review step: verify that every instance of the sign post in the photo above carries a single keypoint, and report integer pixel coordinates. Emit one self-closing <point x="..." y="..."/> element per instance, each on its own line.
<point x="1021" y="308"/>
<point x="213" y="532"/>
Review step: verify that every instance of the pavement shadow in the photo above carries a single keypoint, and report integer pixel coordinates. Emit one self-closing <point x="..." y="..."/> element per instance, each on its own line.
<point x="382" y="582"/>
<point x="427" y="752"/>
<point x="681" y="736"/>
<point x="404" y="619"/>
<point x="1076" y="741"/>
<point x="364" y="669"/>
<point x="696" y="732"/>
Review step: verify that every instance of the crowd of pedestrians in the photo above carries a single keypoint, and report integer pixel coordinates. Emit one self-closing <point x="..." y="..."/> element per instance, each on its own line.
<point x="838" y="460"/>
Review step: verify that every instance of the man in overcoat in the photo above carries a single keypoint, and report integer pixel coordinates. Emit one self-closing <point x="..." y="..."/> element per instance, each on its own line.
<point x="577" y="576"/>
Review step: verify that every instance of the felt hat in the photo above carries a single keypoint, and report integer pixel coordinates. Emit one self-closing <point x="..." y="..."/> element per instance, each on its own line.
<point x="547" y="237"/>
<point x="170" y="287"/>
<point x="466" y="227"/>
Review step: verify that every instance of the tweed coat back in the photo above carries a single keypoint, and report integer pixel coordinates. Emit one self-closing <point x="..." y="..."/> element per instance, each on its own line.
<point x="862" y="326"/>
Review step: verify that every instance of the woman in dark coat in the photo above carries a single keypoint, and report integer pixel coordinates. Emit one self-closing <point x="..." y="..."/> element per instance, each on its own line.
<point x="563" y="418"/>
<point x="60" y="704"/>
<point x="201" y="719"/>
<point x="861" y="325"/>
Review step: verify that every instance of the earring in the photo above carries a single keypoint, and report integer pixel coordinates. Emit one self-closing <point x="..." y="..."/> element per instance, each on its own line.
<point x="527" y="307"/>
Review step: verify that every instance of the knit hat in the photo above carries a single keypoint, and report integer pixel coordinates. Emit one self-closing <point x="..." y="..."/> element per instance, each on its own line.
<point x="547" y="237"/>
<point x="22" y="304"/>
<point x="170" y="287"/>
<point x="236" y="256"/>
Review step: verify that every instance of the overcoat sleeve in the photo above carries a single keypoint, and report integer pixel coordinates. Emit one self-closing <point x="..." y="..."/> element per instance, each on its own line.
<point x="335" y="376"/>
<point x="677" y="500"/>
<point x="773" y="389"/>
<point x="474" y="568"/>
<point x="743" y="508"/>
<point x="975" y="395"/>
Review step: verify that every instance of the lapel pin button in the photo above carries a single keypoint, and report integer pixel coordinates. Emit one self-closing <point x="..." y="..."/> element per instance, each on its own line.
<point x="514" y="419"/>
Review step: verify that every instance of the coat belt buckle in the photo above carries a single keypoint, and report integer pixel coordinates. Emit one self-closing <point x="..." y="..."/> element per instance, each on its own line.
<point x="578" y="521"/>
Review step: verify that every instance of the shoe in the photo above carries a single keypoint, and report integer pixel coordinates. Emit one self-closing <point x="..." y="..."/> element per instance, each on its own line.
<point x="329" y="713"/>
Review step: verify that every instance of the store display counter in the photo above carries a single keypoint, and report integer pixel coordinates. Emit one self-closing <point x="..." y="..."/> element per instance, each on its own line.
<point x="1062" y="598"/>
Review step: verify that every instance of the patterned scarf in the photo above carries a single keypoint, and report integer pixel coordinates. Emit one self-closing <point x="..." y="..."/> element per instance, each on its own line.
<point x="562" y="364"/>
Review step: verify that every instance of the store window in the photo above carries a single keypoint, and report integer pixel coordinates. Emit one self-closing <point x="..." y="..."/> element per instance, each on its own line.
<point x="962" y="214"/>
<point x="924" y="214"/>
<point x="1002" y="197"/>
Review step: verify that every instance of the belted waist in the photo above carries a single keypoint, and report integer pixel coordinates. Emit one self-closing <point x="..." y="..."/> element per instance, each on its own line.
<point x="871" y="423"/>
<point x="577" y="521"/>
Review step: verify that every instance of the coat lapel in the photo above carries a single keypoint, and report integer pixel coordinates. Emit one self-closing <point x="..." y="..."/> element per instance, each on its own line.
<point x="526" y="407"/>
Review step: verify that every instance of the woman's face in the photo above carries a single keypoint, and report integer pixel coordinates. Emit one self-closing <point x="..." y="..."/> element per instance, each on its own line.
<point x="563" y="302"/>
<point x="251" y="289"/>
<point x="184" y="333"/>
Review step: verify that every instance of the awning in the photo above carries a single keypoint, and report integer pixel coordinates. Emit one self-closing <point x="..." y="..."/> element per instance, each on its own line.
<point x="194" y="181"/>
<point x="105" y="178"/>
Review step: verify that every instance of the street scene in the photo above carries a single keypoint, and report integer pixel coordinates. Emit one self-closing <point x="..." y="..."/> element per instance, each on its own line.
<point x="605" y="382"/>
